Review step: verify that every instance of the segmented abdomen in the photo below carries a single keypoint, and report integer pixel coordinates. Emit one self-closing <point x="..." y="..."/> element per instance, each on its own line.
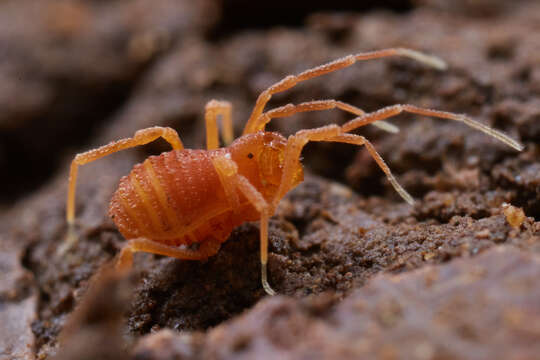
<point x="175" y="198"/>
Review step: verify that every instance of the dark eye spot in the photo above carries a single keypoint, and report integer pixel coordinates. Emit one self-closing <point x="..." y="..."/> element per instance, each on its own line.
<point x="250" y="156"/>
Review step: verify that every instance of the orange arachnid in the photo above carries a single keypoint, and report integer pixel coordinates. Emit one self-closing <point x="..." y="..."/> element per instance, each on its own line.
<point x="184" y="203"/>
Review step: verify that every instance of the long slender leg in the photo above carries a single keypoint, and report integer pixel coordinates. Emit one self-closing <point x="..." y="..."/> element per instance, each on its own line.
<point x="296" y="142"/>
<point x="360" y="140"/>
<point x="291" y="80"/>
<point x="318" y="105"/>
<point x="332" y="133"/>
<point x="255" y="197"/>
<point x="291" y="158"/>
<point x="394" y="110"/>
<point x="228" y="173"/>
<point x="125" y="259"/>
<point x="213" y="109"/>
<point x="141" y="137"/>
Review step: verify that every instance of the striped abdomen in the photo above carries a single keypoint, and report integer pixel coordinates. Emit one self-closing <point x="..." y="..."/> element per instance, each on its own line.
<point x="176" y="198"/>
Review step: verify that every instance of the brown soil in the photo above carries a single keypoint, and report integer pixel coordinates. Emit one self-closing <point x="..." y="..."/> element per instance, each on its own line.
<point x="440" y="312"/>
<point x="358" y="271"/>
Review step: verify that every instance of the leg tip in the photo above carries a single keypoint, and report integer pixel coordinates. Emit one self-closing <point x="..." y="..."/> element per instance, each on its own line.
<point x="268" y="289"/>
<point x="386" y="126"/>
<point x="264" y="280"/>
<point x="70" y="239"/>
<point x="430" y="60"/>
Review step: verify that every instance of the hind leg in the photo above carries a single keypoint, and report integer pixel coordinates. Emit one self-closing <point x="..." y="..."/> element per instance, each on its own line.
<point x="141" y="137"/>
<point x="125" y="259"/>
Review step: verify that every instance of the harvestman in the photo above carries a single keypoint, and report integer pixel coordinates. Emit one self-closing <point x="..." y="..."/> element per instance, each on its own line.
<point x="184" y="203"/>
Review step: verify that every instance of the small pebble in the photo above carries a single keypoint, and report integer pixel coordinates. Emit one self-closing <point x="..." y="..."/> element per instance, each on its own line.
<point x="514" y="215"/>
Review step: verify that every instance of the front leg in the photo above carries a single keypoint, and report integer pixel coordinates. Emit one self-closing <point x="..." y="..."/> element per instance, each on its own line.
<point x="232" y="180"/>
<point x="393" y="110"/>
<point x="316" y="105"/>
<point x="291" y="80"/>
<point x="291" y="160"/>
<point x="333" y="133"/>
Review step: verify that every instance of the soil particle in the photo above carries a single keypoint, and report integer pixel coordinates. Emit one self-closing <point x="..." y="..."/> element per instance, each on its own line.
<point x="514" y="215"/>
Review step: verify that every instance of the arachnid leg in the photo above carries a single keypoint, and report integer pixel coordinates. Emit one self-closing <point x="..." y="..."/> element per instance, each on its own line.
<point x="255" y="197"/>
<point x="332" y="133"/>
<point x="125" y="259"/>
<point x="291" y="161"/>
<point x="394" y="110"/>
<point x="227" y="170"/>
<point x="318" y="105"/>
<point x="214" y="109"/>
<point x="141" y="137"/>
<point x="360" y="140"/>
<point x="291" y="80"/>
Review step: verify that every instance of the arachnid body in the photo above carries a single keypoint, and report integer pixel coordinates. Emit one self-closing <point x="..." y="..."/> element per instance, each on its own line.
<point x="184" y="203"/>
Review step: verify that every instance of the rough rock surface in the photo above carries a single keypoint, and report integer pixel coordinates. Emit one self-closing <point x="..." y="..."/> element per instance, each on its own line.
<point x="330" y="236"/>
<point x="477" y="308"/>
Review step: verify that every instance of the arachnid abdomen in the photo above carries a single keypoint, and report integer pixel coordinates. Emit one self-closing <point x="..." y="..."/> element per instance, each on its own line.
<point x="176" y="198"/>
